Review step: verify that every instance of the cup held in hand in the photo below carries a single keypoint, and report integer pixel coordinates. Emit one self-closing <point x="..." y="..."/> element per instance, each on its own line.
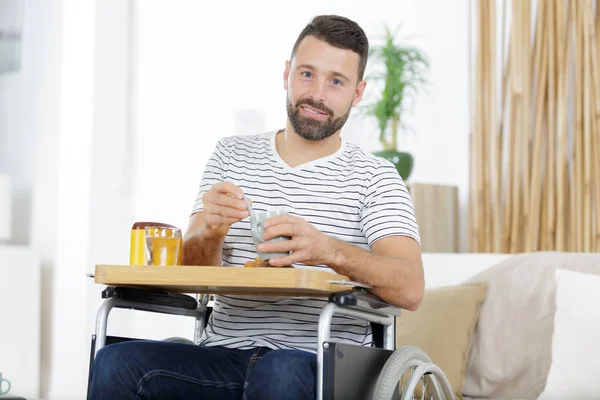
<point x="257" y="220"/>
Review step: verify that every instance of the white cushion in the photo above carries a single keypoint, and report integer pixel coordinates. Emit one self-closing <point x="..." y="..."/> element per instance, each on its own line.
<point x="575" y="364"/>
<point x="511" y="349"/>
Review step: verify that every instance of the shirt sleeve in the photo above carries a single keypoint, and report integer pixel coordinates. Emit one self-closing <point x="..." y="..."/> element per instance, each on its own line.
<point x="387" y="207"/>
<point x="212" y="174"/>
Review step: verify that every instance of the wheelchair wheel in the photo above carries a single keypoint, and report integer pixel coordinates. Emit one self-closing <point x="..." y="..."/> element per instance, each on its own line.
<point x="422" y="371"/>
<point x="178" y="340"/>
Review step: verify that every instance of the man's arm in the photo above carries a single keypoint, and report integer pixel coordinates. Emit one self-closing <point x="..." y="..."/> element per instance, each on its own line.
<point x="222" y="207"/>
<point x="393" y="267"/>
<point x="199" y="247"/>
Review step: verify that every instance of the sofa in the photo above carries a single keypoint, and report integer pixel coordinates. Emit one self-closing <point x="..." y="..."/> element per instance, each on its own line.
<point x="502" y="326"/>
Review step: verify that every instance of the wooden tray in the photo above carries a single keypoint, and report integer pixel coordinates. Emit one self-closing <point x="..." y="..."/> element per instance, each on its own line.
<point x="225" y="280"/>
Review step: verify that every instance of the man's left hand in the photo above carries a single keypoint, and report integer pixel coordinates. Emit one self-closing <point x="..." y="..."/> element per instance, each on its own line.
<point x="308" y="245"/>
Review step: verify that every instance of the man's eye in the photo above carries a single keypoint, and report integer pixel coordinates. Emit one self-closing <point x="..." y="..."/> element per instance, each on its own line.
<point x="336" y="82"/>
<point x="307" y="74"/>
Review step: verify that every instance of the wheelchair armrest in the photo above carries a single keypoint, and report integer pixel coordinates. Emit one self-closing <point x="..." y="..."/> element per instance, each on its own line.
<point x="151" y="297"/>
<point x="362" y="299"/>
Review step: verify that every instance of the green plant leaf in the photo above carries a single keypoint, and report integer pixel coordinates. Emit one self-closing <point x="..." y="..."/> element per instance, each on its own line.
<point x="400" y="70"/>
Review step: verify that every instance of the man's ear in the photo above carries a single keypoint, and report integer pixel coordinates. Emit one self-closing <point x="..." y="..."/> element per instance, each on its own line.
<point x="358" y="94"/>
<point x="286" y="74"/>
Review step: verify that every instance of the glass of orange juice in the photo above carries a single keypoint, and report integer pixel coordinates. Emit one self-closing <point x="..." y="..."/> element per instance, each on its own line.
<point x="163" y="245"/>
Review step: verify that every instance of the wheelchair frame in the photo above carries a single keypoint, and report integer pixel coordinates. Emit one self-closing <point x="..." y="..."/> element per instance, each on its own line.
<point x="357" y="303"/>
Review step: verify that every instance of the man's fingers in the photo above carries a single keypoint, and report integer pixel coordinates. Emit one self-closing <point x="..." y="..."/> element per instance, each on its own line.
<point x="216" y="220"/>
<point x="280" y="230"/>
<point x="229" y="188"/>
<point x="280" y="219"/>
<point x="224" y="211"/>
<point x="229" y="221"/>
<point x="224" y="200"/>
<point x="293" y="258"/>
<point x="282" y="246"/>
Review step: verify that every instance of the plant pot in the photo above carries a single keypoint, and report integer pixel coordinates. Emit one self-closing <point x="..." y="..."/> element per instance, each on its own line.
<point x="403" y="161"/>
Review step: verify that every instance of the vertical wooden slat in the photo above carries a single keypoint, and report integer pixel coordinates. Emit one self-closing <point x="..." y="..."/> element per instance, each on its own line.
<point x="480" y="133"/>
<point x="542" y="222"/>
<point x="475" y="143"/>
<point x="579" y="121"/>
<point x="571" y="182"/>
<point x="572" y="173"/>
<point x="562" y="164"/>
<point x="587" y="134"/>
<point x="481" y="137"/>
<point x="577" y="164"/>
<point x="518" y="134"/>
<point x="596" y="136"/>
<point x="471" y="238"/>
<point x="598" y="28"/>
<point x="551" y="135"/>
<point x="492" y="186"/>
<point x="500" y="135"/>
<point x="508" y="114"/>
<point x="541" y="71"/>
<point x="508" y="178"/>
<point x="526" y="130"/>
<point x="485" y="136"/>
<point x="492" y="162"/>
<point x="595" y="120"/>
<point x="596" y="69"/>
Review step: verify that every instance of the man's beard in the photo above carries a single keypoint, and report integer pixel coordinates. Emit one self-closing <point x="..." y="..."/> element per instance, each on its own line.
<point x="312" y="129"/>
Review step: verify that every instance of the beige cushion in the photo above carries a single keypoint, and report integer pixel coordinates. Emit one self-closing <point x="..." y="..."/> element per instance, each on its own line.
<point x="511" y="350"/>
<point x="442" y="327"/>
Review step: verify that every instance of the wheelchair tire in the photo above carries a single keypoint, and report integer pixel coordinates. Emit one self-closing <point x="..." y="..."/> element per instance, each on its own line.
<point x="178" y="340"/>
<point x="400" y="361"/>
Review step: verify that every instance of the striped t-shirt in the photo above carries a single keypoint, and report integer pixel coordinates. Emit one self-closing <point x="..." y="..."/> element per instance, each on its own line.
<point x="350" y="195"/>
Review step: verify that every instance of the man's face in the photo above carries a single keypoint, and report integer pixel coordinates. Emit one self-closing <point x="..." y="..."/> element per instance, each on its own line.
<point x="322" y="86"/>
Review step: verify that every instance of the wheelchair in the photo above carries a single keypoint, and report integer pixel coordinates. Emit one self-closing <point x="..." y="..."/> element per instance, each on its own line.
<point x="344" y="371"/>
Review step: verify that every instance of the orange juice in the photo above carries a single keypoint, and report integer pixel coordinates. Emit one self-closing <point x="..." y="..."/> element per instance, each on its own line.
<point x="139" y="251"/>
<point x="163" y="250"/>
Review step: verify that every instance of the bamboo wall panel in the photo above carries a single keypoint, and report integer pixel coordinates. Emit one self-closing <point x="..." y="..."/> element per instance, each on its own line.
<point x="535" y="126"/>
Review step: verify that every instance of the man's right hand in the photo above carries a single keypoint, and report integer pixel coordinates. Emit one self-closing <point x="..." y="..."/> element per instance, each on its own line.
<point x="223" y="206"/>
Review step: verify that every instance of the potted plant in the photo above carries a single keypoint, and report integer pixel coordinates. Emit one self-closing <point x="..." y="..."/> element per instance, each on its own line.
<point x="401" y="69"/>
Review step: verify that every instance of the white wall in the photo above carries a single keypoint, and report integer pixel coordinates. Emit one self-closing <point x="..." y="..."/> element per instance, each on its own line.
<point x="451" y="269"/>
<point x="111" y="193"/>
<point x="95" y="198"/>
<point x="74" y="190"/>
<point x="182" y="91"/>
<point x="65" y="142"/>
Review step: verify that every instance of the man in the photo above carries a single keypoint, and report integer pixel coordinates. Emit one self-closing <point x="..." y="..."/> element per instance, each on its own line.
<point x="346" y="210"/>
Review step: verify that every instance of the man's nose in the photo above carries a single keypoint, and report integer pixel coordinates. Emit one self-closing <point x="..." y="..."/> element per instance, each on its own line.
<point x="318" y="92"/>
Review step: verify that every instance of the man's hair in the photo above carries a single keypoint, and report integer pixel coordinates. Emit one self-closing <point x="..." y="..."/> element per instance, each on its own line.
<point x="338" y="32"/>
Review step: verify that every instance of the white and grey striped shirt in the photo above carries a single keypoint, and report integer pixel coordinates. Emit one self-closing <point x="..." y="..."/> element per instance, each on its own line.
<point x="350" y="195"/>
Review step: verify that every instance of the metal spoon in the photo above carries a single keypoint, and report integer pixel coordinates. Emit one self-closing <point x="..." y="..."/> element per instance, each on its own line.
<point x="250" y="211"/>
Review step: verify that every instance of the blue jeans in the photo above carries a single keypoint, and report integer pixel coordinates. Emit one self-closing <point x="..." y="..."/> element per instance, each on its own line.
<point x="146" y="370"/>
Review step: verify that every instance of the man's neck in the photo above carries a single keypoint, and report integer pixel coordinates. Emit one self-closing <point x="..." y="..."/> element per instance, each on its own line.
<point x="295" y="150"/>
